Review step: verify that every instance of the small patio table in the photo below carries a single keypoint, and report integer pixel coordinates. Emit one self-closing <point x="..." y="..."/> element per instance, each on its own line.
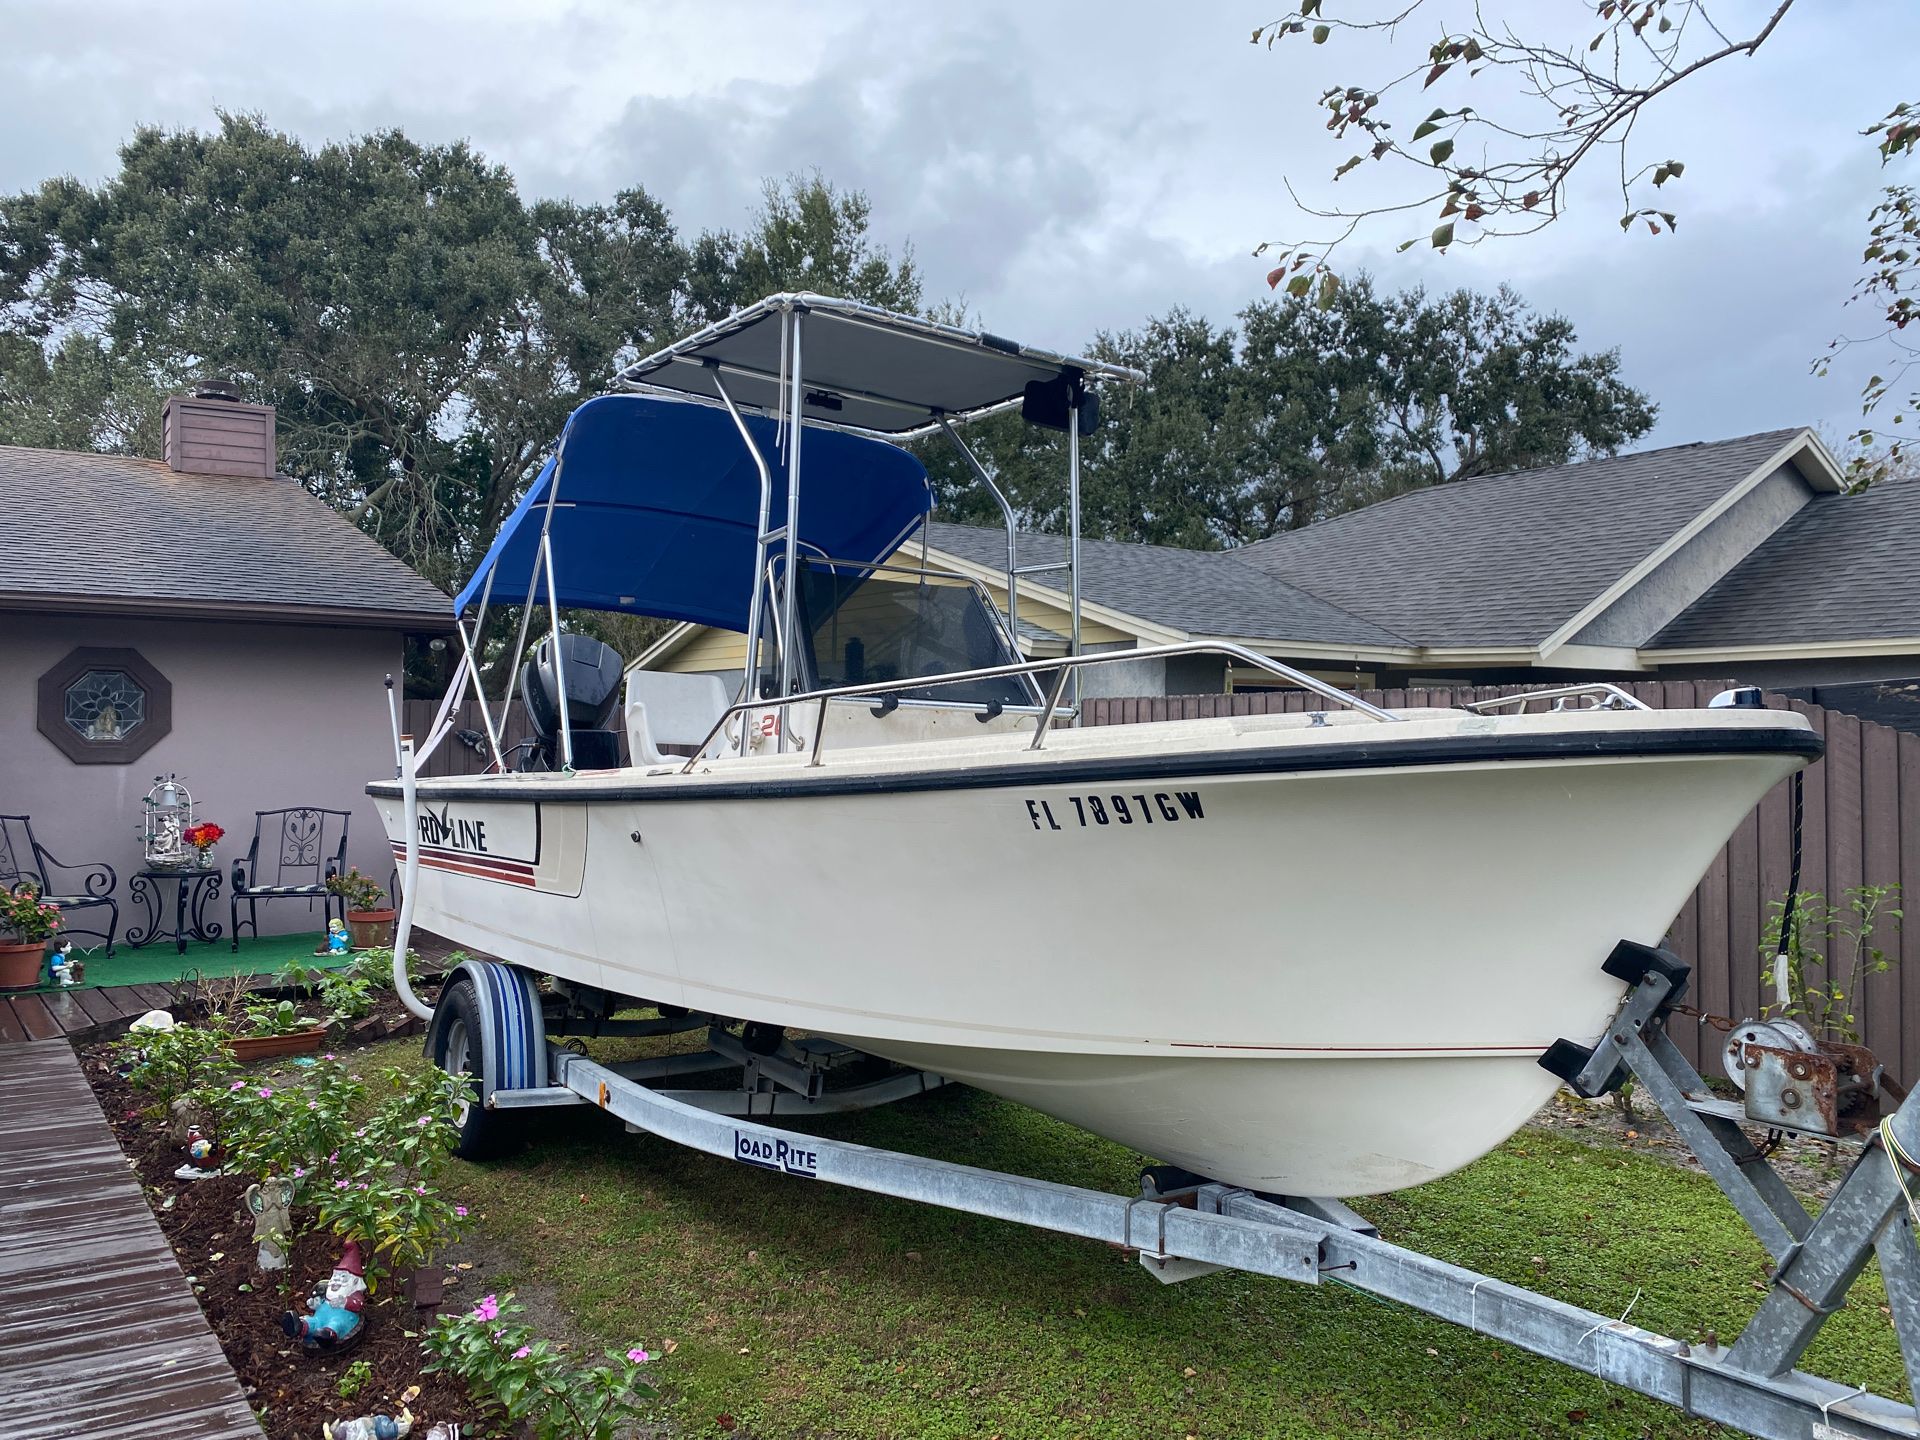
<point x="193" y="890"/>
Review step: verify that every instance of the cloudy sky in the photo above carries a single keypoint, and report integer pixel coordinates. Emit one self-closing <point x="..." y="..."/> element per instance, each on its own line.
<point x="1064" y="169"/>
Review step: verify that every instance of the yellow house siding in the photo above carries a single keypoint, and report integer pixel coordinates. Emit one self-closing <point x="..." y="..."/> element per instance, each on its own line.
<point x="707" y="651"/>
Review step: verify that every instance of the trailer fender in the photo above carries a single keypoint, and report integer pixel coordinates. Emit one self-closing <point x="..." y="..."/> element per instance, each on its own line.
<point x="512" y="1033"/>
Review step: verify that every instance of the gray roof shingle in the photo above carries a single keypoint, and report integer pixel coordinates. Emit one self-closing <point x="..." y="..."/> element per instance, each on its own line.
<point x="1505" y="560"/>
<point x="110" y="528"/>
<point x="1842" y="568"/>
<point x="1200" y="592"/>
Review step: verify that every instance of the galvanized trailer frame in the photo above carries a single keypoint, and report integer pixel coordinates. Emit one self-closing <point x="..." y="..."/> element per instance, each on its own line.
<point x="1182" y="1226"/>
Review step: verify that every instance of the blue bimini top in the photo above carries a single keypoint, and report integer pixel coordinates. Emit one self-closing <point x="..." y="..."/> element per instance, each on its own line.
<point x="658" y="500"/>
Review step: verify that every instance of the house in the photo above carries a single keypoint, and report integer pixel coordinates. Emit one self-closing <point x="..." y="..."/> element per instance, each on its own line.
<point x="1740" y="557"/>
<point x="202" y="616"/>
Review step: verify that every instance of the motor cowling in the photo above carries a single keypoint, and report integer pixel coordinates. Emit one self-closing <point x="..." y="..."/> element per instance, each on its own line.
<point x="592" y="671"/>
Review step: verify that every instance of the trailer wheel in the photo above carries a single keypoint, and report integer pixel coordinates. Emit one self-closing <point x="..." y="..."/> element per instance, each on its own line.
<point x="760" y="1038"/>
<point x="483" y="1132"/>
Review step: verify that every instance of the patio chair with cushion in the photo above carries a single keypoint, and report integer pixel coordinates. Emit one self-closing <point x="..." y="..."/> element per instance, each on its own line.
<point x="71" y="887"/>
<point x="293" y="855"/>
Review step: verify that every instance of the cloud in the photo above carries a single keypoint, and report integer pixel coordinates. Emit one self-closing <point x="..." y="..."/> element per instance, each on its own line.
<point x="1065" y="171"/>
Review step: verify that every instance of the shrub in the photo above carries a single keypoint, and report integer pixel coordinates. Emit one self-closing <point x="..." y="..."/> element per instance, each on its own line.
<point x="169" y="1064"/>
<point x="295" y="1127"/>
<point x="273" y="1017"/>
<point x="383" y="1190"/>
<point x="532" y="1382"/>
<point x="1823" y="989"/>
<point x="25" y="916"/>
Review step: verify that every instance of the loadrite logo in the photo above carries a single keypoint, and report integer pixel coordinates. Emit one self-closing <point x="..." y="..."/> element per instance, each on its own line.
<point x="776" y="1155"/>
<point x="451" y="834"/>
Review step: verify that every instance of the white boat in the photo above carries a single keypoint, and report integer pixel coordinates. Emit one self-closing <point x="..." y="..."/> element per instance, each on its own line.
<point x="1312" y="954"/>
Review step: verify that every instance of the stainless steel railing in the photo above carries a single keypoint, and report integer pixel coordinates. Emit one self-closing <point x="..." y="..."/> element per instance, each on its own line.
<point x="1065" y="667"/>
<point x="1605" y="697"/>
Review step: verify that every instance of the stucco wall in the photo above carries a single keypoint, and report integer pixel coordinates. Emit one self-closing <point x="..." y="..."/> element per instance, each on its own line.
<point x="264" y="716"/>
<point x="1692" y="570"/>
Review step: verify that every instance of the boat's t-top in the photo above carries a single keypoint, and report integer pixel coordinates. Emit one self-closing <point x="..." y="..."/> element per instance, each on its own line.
<point x="680" y="496"/>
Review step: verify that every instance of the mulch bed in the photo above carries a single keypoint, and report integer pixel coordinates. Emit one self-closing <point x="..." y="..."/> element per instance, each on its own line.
<point x="211" y="1233"/>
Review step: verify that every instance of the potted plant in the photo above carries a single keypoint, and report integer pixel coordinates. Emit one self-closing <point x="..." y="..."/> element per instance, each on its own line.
<point x="272" y="1028"/>
<point x="368" y="924"/>
<point x="26" y="924"/>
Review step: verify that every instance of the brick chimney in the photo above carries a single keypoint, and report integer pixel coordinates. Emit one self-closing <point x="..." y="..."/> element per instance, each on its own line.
<point x="213" y="432"/>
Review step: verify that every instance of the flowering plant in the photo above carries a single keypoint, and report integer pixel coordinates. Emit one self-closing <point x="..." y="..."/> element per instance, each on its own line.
<point x="25" y="915"/>
<point x="290" y="1127"/>
<point x="533" y="1382"/>
<point x="203" y="837"/>
<point x="381" y="1184"/>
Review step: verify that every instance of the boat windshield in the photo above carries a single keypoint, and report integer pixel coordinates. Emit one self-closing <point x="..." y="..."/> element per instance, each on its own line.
<point x="863" y="626"/>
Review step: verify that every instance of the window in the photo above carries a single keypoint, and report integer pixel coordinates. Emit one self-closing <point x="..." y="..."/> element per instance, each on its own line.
<point x="870" y="627"/>
<point x="105" y="707"/>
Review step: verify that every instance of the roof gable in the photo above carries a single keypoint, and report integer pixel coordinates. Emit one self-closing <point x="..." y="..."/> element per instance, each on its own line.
<point x="1508" y="560"/>
<point x="1842" y="569"/>
<point x="111" y="531"/>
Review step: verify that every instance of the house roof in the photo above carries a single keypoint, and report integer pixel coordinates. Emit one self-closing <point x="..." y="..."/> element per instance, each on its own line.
<point x="114" y="533"/>
<point x="1840" y="570"/>
<point x="1506" y="560"/>
<point x="1196" y="591"/>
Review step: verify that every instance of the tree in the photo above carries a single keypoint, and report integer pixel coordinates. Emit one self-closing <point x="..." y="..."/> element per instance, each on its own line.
<point x="806" y="236"/>
<point x="1308" y="411"/>
<point x="1486" y="173"/>
<point x="422" y="332"/>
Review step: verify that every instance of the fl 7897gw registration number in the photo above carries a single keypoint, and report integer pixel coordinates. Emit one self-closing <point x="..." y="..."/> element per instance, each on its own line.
<point x="1156" y="807"/>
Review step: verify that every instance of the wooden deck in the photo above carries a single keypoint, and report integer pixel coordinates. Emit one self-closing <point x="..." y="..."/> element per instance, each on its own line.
<point x="99" y="1333"/>
<point x="77" y="1014"/>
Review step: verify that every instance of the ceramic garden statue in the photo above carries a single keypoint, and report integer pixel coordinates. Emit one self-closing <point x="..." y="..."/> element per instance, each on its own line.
<point x="60" y="964"/>
<point x="270" y="1204"/>
<point x="336" y="938"/>
<point x="203" y="1162"/>
<point x="336" y="1315"/>
<point x="370" y="1427"/>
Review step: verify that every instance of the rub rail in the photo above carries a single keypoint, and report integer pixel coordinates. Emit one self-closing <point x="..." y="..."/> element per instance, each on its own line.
<point x="1064" y="667"/>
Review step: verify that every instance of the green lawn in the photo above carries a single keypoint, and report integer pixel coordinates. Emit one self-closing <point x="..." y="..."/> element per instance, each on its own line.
<point x="803" y="1309"/>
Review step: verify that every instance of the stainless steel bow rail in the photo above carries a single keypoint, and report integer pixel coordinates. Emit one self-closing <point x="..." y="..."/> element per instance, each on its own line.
<point x="1066" y="666"/>
<point x="1181" y="1226"/>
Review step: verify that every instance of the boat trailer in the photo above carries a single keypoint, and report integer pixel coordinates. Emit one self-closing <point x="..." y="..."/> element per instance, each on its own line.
<point x="1181" y="1226"/>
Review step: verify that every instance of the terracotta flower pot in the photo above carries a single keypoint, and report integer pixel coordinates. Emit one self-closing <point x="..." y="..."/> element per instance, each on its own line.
<point x="21" y="962"/>
<point x="369" y="928"/>
<point x="263" y="1047"/>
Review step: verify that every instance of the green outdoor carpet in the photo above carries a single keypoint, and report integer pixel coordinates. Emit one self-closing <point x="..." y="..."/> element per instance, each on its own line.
<point x="160" y="964"/>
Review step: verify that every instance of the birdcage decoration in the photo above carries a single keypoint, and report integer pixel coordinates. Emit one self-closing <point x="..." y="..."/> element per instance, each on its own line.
<point x="169" y="812"/>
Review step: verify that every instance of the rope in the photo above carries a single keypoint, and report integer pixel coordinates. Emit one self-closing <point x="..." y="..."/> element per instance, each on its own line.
<point x="1900" y="1160"/>
<point x="1621" y="1321"/>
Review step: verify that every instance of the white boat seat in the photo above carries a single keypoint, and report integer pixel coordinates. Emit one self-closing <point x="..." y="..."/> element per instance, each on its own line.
<point x="669" y="714"/>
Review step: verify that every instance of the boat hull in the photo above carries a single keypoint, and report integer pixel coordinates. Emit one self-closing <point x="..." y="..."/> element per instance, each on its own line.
<point x="1309" y="964"/>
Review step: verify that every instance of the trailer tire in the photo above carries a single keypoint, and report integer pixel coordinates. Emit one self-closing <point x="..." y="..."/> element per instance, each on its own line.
<point x="484" y="1133"/>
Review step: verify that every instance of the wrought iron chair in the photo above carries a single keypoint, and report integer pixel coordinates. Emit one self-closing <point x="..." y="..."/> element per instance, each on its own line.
<point x="295" y="862"/>
<point x="23" y="858"/>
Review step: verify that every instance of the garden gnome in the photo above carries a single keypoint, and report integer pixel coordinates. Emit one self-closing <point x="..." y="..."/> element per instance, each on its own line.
<point x="183" y="1118"/>
<point x="370" y="1427"/>
<point x="337" y="1312"/>
<point x="336" y="938"/>
<point x="271" y="1203"/>
<point x="203" y="1161"/>
<point x="60" y="964"/>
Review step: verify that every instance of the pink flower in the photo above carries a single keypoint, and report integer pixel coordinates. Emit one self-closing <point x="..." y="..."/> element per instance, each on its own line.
<point x="237" y="1085"/>
<point x="638" y="1356"/>
<point x="265" y="1093"/>
<point x="339" y="1184"/>
<point x="461" y="1211"/>
<point x="419" y="1189"/>
<point x="423" y="1120"/>
<point x="523" y="1352"/>
<point x="488" y="1308"/>
<point x="334" y="1158"/>
<point x="299" y="1173"/>
<point x="326" y="1057"/>
<point x="313" y="1104"/>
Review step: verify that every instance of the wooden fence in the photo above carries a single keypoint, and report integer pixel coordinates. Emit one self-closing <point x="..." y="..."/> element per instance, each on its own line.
<point x="1861" y="827"/>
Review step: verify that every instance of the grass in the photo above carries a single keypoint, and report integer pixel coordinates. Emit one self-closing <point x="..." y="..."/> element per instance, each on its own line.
<point x="803" y="1309"/>
<point x="161" y="964"/>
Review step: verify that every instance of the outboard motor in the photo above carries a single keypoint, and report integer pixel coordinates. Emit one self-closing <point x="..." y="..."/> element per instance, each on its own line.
<point x="593" y="672"/>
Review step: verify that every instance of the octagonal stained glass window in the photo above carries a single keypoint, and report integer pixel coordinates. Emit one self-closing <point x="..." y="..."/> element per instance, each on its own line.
<point x="104" y="707"/>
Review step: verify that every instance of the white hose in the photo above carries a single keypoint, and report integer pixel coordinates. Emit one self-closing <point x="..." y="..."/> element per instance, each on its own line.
<point x="409" y="873"/>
